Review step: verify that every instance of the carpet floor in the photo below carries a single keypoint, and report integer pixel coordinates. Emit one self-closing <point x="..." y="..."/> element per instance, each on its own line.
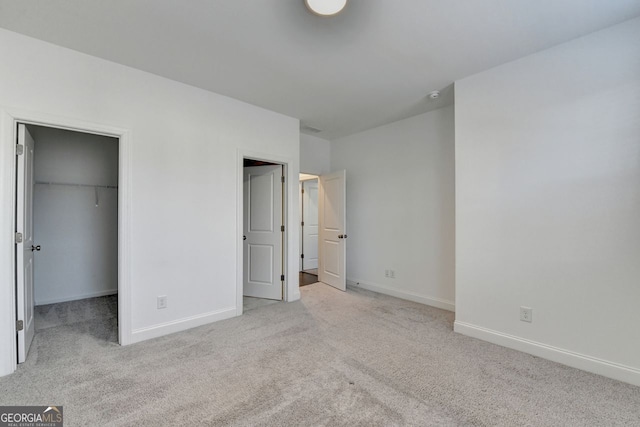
<point x="66" y="313"/>
<point x="334" y="358"/>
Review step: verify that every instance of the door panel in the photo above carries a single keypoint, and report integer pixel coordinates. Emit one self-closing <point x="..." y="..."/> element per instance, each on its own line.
<point x="332" y="207"/>
<point x="332" y="258"/>
<point x="332" y="229"/>
<point x="24" y="253"/>
<point x="262" y="220"/>
<point x="261" y="192"/>
<point x="310" y="229"/>
<point x="261" y="264"/>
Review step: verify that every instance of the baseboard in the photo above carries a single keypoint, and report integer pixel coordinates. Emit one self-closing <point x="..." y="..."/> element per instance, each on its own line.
<point x="575" y="360"/>
<point x="433" y="302"/>
<point x="179" y="325"/>
<point x="295" y="296"/>
<point x="77" y="297"/>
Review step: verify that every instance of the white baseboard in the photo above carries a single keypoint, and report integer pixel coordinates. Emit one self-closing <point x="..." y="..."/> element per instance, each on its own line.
<point x="295" y="296"/>
<point x="179" y="325"/>
<point x="77" y="297"/>
<point x="575" y="360"/>
<point x="433" y="302"/>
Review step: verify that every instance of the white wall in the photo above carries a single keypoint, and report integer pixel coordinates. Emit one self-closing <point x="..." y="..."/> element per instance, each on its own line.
<point x="79" y="240"/>
<point x="400" y="207"/>
<point x="184" y="178"/>
<point x="315" y="155"/>
<point x="548" y="203"/>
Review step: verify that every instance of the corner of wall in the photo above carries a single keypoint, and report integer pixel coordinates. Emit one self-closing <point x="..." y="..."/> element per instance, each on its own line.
<point x="409" y="296"/>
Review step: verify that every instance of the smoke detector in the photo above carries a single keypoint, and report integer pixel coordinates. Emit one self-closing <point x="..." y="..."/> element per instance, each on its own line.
<point x="434" y="94"/>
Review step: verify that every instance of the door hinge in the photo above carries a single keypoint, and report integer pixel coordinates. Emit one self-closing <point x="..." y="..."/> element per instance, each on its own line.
<point x="282" y="278"/>
<point x="303" y="191"/>
<point x="282" y="228"/>
<point x="282" y="179"/>
<point x="301" y="255"/>
<point x="18" y="237"/>
<point x="19" y="150"/>
<point x="19" y="325"/>
<point x="302" y="223"/>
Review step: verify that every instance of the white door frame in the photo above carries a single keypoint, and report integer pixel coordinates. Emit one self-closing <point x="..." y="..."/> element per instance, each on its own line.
<point x="9" y="118"/>
<point x="290" y="217"/>
<point x="315" y="178"/>
<point x="312" y="176"/>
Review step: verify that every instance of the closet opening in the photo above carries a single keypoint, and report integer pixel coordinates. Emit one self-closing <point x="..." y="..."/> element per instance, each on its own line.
<point x="264" y="233"/>
<point x="67" y="254"/>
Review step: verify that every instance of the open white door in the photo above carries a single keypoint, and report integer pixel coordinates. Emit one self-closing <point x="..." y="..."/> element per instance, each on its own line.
<point x="263" y="243"/>
<point x="310" y="224"/>
<point x="24" y="246"/>
<point x="332" y="229"/>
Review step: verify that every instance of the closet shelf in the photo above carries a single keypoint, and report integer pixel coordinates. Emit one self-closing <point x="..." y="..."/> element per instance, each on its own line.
<point x="77" y="185"/>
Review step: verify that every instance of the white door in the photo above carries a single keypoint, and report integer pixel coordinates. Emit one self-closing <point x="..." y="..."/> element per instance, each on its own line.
<point x="24" y="249"/>
<point x="332" y="234"/>
<point x="310" y="224"/>
<point x="263" y="260"/>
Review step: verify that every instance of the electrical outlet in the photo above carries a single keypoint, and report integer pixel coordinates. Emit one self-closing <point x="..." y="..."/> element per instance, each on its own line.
<point x="386" y="273"/>
<point x="162" y="302"/>
<point x="392" y="274"/>
<point x="526" y="314"/>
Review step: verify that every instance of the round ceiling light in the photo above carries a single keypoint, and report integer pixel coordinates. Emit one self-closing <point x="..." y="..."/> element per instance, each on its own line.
<point x="326" y="7"/>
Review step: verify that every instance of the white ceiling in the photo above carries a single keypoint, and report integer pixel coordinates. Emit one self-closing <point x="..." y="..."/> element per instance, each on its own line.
<point x="371" y="65"/>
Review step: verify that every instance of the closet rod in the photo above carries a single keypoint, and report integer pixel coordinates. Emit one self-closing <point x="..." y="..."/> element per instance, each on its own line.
<point x="77" y="185"/>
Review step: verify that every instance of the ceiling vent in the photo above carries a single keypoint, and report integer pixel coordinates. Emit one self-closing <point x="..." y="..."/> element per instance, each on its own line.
<point x="309" y="129"/>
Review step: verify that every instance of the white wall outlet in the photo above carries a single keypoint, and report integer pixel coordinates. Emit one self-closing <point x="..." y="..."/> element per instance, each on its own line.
<point x="386" y="273"/>
<point x="162" y="302"/>
<point x="526" y="314"/>
<point x="392" y="274"/>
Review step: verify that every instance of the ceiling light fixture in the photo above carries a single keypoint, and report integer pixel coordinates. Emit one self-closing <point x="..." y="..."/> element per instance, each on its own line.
<point x="326" y="7"/>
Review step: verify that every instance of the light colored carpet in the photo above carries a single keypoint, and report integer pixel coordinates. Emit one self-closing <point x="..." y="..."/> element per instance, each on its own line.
<point x="333" y="358"/>
<point x="250" y="303"/>
<point x="67" y="313"/>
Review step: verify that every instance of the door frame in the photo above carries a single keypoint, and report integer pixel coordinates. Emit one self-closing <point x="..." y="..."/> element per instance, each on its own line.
<point x="9" y="119"/>
<point x="311" y="177"/>
<point x="291" y="290"/>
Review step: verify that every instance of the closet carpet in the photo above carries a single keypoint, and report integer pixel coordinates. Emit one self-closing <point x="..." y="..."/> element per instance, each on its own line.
<point x="352" y="358"/>
<point x="103" y="309"/>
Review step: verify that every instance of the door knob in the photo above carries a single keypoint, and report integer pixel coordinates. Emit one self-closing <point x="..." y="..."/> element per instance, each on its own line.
<point x="35" y="248"/>
<point x="244" y="237"/>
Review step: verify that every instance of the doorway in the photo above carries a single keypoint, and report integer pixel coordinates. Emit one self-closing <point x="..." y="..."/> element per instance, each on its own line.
<point x="67" y="231"/>
<point x="264" y="232"/>
<point x="323" y="229"/>
<point x="308" y="229"/>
